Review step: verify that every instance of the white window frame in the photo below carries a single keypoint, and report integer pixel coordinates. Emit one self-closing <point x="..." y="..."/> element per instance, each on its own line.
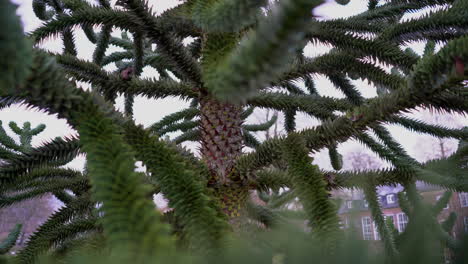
<point x="344" y="224"/>
<point x="98" y="207"/>
<point x="463" y="199"/>
<point x="438" y="198"/>
<point x="376" y="231"/>
<point x="465" y="223"/>
<point x="366" y="204"/>
<point x="349" y="204"/>
<point x="390" y="198"/>
<point x="390" y="215"/>
<point x="366" y="224"/>
<point x="402" y="224"/>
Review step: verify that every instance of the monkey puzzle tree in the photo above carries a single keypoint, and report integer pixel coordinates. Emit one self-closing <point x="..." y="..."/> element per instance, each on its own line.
<point x="243" y="55"/>
<point x="26" y="213"/>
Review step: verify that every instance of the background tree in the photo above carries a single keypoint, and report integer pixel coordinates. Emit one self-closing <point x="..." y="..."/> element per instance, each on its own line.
<point x="359" y="160"/>
<point x="434" y="148"/>
<point x="29" y="213"/>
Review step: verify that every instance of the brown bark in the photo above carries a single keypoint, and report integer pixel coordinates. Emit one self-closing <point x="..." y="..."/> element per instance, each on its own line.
<point x="221" y="145"/>
<point x="221" y="138"/>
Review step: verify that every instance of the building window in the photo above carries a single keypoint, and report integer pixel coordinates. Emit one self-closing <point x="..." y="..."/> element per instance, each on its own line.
<point x="366" y="204"/>
<point x="390" y="198"/>
<point x="391" y="217"/>
<point x="367" y="228"/>
<point x="344" y="222"/>
<point x="402" y="222"/>
<point x="465" y="223"/>
<point x="463" y="199"/>
<point x="438" y="198"/>
<point x="99" y="211"/>
<point x="349" y="204"/>
<point x="376" y="231"/>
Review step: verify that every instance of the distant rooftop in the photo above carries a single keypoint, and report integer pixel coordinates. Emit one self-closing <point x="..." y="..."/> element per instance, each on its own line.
<point x="389" y="200"/>
<point x="388" y="197"/>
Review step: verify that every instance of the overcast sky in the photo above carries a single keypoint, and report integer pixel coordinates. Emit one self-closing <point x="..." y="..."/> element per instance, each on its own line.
<point x="150" y="111"/>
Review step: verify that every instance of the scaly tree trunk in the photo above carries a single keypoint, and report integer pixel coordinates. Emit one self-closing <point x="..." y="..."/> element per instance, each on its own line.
<point x="221" y="145"/>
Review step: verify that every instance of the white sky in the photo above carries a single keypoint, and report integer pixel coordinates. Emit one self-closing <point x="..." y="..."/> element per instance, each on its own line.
<point x="149" y="111"/>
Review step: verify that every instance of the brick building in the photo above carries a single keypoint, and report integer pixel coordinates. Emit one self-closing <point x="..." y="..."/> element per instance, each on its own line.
<point x="357" y="209"/>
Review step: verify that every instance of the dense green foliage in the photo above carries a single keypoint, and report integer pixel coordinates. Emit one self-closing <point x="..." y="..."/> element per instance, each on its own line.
<point x="10" y="241"/>
<point x="241" y="55"/>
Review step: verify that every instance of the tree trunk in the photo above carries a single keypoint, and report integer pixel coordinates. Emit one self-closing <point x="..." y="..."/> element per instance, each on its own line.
<point x="221" y="145"/>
